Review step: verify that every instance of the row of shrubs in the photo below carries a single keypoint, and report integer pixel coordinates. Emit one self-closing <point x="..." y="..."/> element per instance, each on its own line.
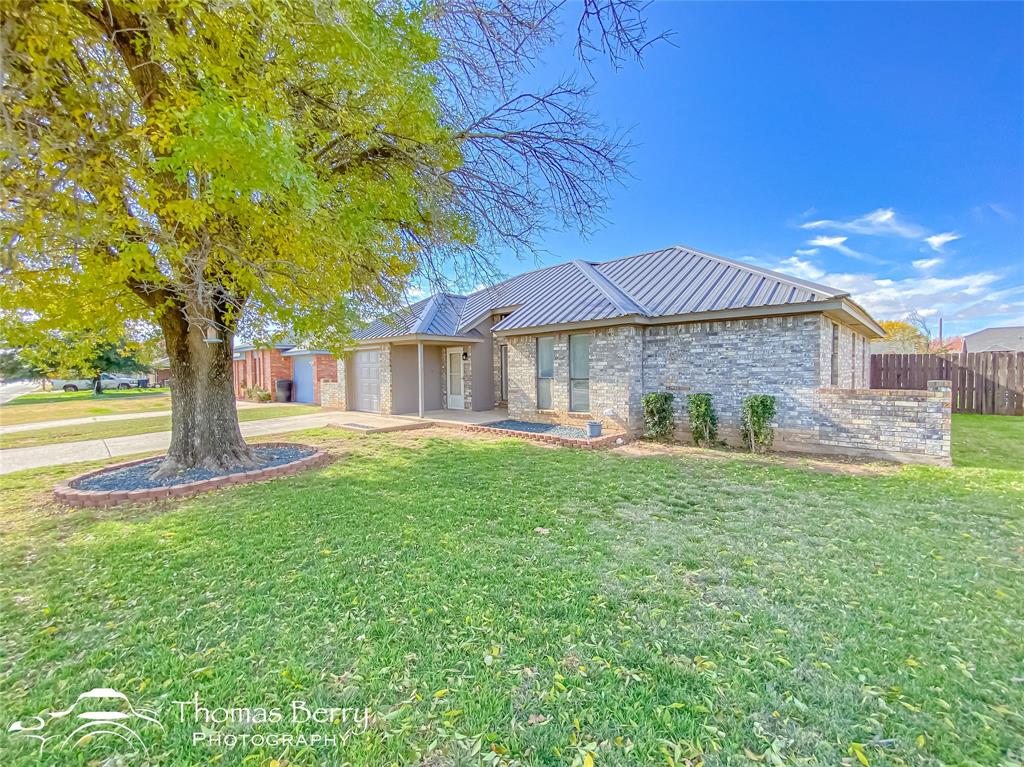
<point x="756" y="414"/>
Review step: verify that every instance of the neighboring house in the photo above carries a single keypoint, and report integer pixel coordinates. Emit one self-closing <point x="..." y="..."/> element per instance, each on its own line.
<point x="1010" y="339"/>
<point x="263" y="366"/>
<point x="953" y="345"/>
<point x="585" y="340"/>
<point x="160" y="373"/>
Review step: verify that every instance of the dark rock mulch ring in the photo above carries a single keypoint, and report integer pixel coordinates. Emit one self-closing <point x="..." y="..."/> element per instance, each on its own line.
<point x="530" y="427"/>
<point x="130" y="482"/>
<point x="137" y="476"/>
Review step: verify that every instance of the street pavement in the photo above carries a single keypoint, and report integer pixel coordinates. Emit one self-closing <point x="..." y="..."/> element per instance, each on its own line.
<point x="17" y="459"/>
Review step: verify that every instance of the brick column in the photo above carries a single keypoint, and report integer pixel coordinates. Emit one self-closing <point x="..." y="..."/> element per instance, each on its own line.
<point x="334" y="394"/>
<point x="386" y="403"/>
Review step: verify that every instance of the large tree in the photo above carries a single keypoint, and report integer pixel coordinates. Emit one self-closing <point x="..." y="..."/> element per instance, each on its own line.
<point x="208" y="164"/>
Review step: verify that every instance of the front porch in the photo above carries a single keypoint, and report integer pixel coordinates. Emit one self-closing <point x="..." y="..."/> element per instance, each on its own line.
<point x="438" y="379"/>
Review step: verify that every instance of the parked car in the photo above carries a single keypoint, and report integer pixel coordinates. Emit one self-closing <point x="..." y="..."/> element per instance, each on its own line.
<point x="107" y="381"/>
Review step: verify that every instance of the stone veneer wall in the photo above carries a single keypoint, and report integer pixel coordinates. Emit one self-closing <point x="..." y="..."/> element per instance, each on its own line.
<point x="896" y="424"/>
<point x="332" y="396"/>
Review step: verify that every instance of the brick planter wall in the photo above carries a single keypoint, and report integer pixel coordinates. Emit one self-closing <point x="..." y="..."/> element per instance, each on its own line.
<point x="897" y="425"/>
<point x="608" y="440"/>
<point x="65" y="493"/>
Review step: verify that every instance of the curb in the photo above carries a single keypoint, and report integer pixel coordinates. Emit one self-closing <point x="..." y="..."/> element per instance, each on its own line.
<point x="71" y="496"/>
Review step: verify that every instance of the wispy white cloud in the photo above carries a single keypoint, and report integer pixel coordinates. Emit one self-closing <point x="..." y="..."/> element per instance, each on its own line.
<point x="838" y="244"/>
<point x="800" y="268"/>
<point x="967" y="302"/>
<point x="937" y="241"/>
<point x="925" y="264"/>
<point x="807" y="251"/>
<point x="883" y="221"/>
<point x="982" y="211"/>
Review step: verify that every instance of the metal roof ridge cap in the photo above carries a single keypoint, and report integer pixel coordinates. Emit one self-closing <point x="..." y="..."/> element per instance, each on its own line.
<point x="611" y="291"/>
<point x="427" y="316"/>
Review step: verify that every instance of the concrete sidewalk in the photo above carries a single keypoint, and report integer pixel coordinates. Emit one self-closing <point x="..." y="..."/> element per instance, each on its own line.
<point x="20" y="458"/>
<point x="242" y="405"/>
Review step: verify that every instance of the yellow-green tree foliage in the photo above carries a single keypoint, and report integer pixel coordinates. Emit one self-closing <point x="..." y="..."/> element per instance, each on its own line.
<point x="277" y="157"/>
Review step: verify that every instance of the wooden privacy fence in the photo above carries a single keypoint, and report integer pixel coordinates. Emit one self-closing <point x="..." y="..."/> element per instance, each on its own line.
<point x="983" y="382"/>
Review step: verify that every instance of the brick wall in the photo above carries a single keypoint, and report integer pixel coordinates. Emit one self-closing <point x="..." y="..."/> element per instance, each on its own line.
<point x="325" y="370"/>
<point x="334" y="394"/>
<point x="900" y="425"/>
<point x="615" y="368"/>
<point x="853" y="356"/>
<point x="788" y="357"/>
<point x="262" y="368"/>
<point x="732" y="359"/>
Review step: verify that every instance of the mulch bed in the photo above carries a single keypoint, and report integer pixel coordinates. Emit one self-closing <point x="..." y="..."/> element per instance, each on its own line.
<point x="131" y="483"/>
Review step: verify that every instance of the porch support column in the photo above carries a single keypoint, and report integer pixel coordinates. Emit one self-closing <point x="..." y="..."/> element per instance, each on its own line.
<point x="419" y="370"/>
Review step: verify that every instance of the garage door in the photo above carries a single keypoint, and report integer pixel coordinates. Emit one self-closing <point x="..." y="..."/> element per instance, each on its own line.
<point x="367" y="392"/>
<point x="303" y="375"/>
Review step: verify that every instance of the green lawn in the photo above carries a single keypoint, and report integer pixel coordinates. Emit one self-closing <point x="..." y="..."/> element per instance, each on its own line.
<point x="675" y="610"/>
<point x="108" y="429"/>
<point x="51" y="406"/>
<point x="988" y="441"/>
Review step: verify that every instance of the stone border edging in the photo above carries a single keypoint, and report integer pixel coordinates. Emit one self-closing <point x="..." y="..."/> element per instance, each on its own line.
<point x="105" y="498"/>
<point x="608" y="440"/>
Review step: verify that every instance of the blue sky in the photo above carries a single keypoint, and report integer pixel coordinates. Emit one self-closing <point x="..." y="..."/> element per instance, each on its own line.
<point x="877" y="148"/>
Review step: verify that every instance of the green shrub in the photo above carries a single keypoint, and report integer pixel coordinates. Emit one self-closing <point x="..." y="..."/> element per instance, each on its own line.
<point x="703" y="421"/>
<point x="755" y="422"/>
<point x="658" y="414"/>
<point x="256" y="393"/>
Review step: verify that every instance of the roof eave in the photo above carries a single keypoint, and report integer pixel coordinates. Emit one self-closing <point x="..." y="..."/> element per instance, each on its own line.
<point x="839" y="305"/>
<point x="417" y="337"/>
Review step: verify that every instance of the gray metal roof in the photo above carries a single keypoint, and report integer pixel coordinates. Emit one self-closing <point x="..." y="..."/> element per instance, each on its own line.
<point x="1009" y="339"/>
<point x="436" y="316"/>
<point x="663" y="283"/>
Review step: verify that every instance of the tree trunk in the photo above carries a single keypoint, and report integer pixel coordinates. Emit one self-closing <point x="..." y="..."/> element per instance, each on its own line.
<point x="97" y="388"/>
<point x="204" y="422"/>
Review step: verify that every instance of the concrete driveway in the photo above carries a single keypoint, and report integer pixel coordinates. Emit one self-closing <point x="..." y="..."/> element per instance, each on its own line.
<point x="20" y="458"/>
<point x="9" y="391"/>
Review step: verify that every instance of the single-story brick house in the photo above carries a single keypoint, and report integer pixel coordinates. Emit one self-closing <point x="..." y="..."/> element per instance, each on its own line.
<point x="263" y="366"/>
<point x="584" y="340"/>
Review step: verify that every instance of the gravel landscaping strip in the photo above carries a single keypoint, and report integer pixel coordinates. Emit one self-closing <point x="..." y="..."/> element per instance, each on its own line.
<point x="136" y="476"/>
<point x="553" y="430"/>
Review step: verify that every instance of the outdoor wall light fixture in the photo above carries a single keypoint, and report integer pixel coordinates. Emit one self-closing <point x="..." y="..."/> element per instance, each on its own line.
<point x="465" y="356"/>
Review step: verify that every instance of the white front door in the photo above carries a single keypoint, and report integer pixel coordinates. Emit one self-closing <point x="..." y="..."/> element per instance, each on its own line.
<point x="456" y="400"/>
<point x="367" y="387"/>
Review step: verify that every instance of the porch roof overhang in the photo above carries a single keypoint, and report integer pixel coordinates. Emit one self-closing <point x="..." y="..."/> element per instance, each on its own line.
<point x="426" y="338"/>
<point x="840" y="308"/>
